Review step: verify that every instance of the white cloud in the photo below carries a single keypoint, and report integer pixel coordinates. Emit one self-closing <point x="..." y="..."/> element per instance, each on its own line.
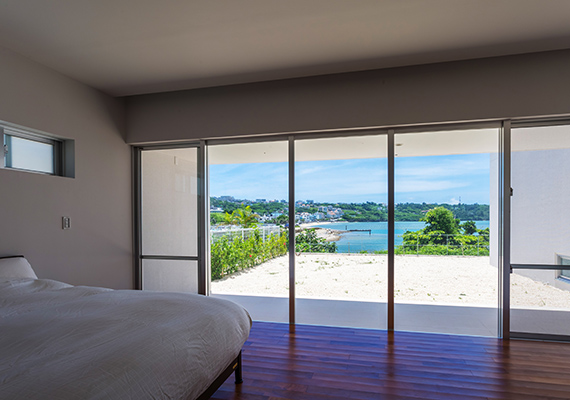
<point x="418" y="185"/>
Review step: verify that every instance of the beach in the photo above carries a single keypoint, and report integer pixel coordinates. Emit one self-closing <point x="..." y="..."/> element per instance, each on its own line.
<point x="418" y="279"/>
<point x="329" y="235"/>
<point x="357" y="237"/>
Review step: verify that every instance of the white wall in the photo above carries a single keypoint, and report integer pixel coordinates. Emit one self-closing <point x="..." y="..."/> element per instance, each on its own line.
<point x="97" y="250"/>
<point x="503" y="87"/>
<point x="540" y="221"/>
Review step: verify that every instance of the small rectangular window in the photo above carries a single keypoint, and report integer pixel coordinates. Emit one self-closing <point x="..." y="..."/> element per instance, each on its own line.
<point x="31" y="152"/>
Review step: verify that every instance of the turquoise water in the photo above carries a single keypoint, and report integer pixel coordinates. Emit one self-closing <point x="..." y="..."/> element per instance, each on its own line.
<point x="355" y="242"/>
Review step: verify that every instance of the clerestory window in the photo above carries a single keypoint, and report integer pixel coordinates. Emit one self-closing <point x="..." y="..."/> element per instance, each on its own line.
<point x="29" y="151"/>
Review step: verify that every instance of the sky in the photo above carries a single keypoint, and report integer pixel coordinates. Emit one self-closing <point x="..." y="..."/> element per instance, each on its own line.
<point x="430" y="179"/>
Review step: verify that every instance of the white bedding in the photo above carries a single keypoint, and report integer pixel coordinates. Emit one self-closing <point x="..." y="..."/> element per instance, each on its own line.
<point x="59" y="341"/>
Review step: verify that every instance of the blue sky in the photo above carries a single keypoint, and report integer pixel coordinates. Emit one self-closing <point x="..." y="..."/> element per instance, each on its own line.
<point x="434" y="179"/>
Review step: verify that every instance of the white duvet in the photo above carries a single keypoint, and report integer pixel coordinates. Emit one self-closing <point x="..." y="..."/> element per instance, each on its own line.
<point x="59" y="341"/>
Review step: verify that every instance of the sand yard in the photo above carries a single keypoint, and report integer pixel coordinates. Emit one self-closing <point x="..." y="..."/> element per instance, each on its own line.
<point x="418" y="279"/>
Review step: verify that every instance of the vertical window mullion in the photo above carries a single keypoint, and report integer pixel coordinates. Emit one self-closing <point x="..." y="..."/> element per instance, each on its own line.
<point x="291" y="209"/>
<point x="391" y="228"/>
<point x="505" y="229"/>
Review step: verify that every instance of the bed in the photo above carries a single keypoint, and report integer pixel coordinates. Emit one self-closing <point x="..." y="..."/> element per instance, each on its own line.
<point x="59" y="341"/>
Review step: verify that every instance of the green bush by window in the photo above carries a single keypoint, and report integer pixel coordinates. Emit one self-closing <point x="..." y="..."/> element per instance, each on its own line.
<point x="229" y="255"/>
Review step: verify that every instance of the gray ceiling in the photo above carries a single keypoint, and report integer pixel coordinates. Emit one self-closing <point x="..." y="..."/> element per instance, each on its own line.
<point x="126" y="47"/>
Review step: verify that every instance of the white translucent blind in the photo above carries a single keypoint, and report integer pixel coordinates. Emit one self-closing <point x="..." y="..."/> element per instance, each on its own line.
<point x="170" y="275"/>
<point x="169" y="202"/>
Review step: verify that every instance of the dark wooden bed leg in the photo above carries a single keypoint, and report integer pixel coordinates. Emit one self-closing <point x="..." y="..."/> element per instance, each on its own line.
<point x="235" y="366"/>
<point x="238" y="370"/>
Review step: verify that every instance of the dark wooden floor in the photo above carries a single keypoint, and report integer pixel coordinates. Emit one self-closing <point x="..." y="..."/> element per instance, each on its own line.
<point x="342" y="363"/>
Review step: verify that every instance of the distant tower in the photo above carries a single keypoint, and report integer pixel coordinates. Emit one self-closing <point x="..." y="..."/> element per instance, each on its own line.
<point x="459" y="199"/>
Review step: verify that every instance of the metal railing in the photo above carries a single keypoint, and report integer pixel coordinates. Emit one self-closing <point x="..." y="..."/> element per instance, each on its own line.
<point x="245" y="233"/>
<point x="477" y="249"/>
<point x="482" y="243"/>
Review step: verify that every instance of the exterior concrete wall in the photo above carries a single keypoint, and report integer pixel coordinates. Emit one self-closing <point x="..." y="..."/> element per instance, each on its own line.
<point x="540" y="223"/>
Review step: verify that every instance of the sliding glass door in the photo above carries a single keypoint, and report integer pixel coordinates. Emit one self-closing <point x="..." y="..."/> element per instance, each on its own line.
<point x="169" y="217"/>
<point x="540" y="231"/>
<point x="248" y="187"/>
<point x="445" y="272"/>
<point x="446" y="210"/>
<point x="396" y="229"/>
<point x="341" y="193"/>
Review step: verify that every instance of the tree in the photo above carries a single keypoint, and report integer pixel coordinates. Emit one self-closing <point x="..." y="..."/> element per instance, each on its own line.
<point x="216" y="218"/>
<point x="245" y="217"/>
<point x="308" y="241"/>
<point x="469" y="227"/>
<point x="441" y="236"/>
<point x="282" y="219"/>
<point x="229" y="219"/>
<point x="441" y="219"/>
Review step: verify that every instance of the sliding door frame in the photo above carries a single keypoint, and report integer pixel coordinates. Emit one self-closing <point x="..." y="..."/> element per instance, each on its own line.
<point x="202" y="214"/>
<point x="390" y="133"/>
<point x="291" y="138"/>
<point x="531" y="123"/>
<point x="391" y="228"/>
<point x="505" y="193"/>
<point x="292" y="238"/>
<point x="137" y="215"/>
<point x="503" y="203"/>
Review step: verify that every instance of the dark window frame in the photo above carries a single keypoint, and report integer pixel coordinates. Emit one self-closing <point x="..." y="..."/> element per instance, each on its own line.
<point x="563" y="274"/>
<point x="58" y="150"/>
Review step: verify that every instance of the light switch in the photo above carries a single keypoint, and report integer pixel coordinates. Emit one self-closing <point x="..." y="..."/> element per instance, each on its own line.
<point x="65" y="222"/>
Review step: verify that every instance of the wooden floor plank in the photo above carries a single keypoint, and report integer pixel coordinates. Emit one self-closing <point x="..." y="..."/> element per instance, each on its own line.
<point x="330" y="363"/>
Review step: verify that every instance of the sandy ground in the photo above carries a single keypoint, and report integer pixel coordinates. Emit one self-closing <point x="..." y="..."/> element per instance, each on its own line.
<point x="418" y="279"/>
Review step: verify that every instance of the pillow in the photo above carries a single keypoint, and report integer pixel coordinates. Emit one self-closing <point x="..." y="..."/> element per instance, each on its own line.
<point x="16" y="267"/>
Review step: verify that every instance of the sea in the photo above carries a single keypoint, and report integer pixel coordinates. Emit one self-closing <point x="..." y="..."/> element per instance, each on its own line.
<point x="377" y="239"/>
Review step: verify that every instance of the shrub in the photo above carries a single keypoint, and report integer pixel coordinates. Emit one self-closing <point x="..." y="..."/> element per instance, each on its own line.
<point x="229" y="255"/>
<point x="441" y="236"/>
<point x="307" y="241"/>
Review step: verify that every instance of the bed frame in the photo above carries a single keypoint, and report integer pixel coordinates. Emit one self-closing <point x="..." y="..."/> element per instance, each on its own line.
<point x="235" y="366"/>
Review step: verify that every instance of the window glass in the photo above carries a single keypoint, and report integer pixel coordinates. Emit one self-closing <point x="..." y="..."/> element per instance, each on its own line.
<point x="29" y="154"/>
<point x="565" y="261"/>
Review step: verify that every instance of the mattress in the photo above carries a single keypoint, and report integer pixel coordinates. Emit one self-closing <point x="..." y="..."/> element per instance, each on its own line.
<point x="59" y="341"/>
